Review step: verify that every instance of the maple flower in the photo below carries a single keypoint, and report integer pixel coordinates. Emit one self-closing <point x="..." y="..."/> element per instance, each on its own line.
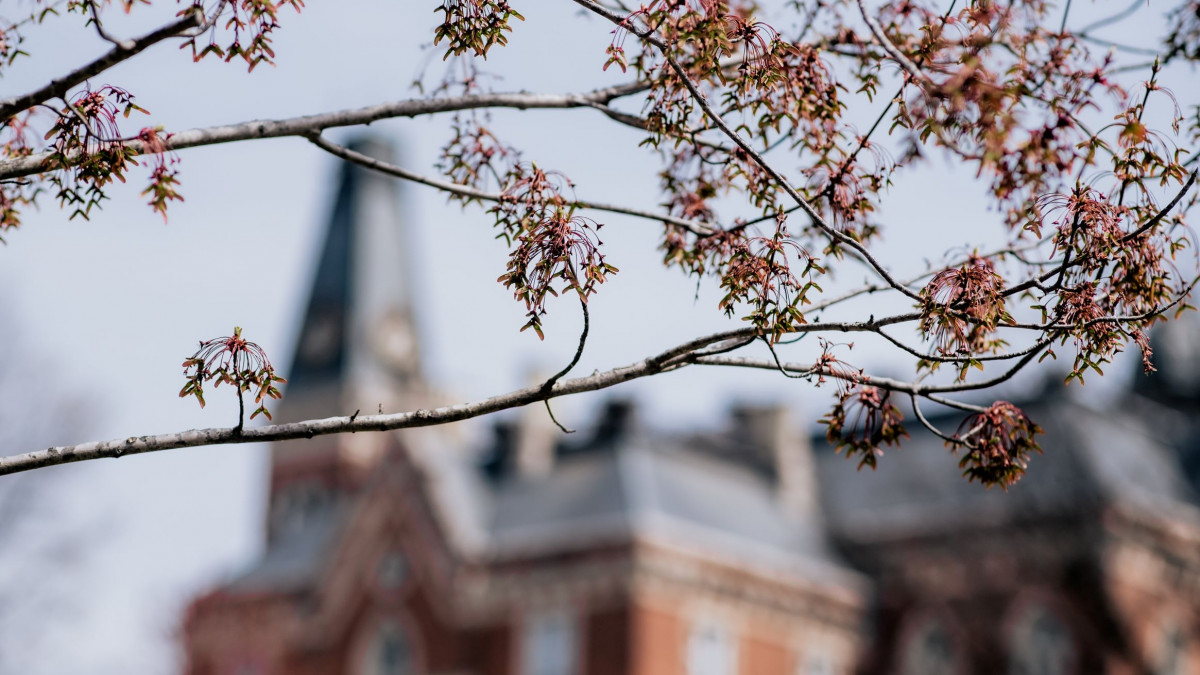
<point x="236" y="361"/>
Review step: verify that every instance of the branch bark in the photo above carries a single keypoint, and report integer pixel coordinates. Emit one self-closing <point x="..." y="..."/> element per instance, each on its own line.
<point x="309" y="124"/>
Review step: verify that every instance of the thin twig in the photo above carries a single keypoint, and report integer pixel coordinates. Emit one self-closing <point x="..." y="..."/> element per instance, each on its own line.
<point x="369" y="162"/>
<point x="574" y="361"/>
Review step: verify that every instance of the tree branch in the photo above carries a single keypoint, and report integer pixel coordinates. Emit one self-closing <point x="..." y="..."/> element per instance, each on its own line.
<point x="310" y="124"/>
<point x="121" y="51"/>
<point x="897" y="55"/>
<point x="695" y="227"/>
<point x="671" y="359"/>
<point x="888" y="383"/>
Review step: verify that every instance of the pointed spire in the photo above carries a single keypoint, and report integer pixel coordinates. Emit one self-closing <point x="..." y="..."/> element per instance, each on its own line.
<point x="357" y="348"/>
<point x="358" y="343"/>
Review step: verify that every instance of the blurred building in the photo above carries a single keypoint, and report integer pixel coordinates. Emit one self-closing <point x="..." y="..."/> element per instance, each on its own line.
<point x="755" y="551"/>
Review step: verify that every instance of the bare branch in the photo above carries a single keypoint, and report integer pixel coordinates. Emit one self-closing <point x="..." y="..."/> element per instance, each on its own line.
<point x="671" y="359"/>
<point x="345" y="424"/>
<point x="916" y="406"/>
<point x="310" y="124"/>
<point x="888" y="383"/>
<point x="549" y="384"/>
<point x="95" y="12"/>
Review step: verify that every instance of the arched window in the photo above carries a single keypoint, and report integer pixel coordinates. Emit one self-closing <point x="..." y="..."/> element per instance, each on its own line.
<point x="710" y="650"/>
<point x="1041" y="644"/>
<point x="389" y="652"/>
<point x="929" y="650"/>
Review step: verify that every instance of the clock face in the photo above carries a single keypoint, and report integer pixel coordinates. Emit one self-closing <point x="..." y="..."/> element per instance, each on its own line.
<point x="393" y="341"/>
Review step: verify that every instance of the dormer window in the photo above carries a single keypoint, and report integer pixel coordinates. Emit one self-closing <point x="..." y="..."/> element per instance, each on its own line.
<point x="710" y="650"/>
<point x="550" y="644"/>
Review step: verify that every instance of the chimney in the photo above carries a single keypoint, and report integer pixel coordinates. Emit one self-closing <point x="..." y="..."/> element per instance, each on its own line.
<point x="784" y="450"/>
<point x="534" y="441"/>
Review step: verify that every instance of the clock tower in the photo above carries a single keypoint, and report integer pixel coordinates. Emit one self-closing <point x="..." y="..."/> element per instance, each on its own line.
<point x="357" y="348"/>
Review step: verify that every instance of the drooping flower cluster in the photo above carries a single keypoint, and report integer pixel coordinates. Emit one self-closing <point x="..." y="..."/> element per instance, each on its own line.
<point x="862" y="421"/>
<point x="554" y="249"/>
<point x="1112" y="265"/>
<point x="996" y="443"/>
<point x="235" y="361"/>
<point x="961" y="308"/>
<point x="759" y="273"/>
<point x="250" y="25"/>
<point x="474" y="26"/>
<point x="88" y="148"/>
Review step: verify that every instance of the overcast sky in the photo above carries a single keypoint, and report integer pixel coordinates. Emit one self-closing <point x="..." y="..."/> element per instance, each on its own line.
<point x="115" y="304"/>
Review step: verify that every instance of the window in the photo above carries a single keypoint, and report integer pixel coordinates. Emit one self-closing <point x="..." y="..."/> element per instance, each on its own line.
<point x="710" y="650"/>
<point x="929" y="650"/>
<point x="816" y="662"/>
<point x="1041" y="645"/>
<point x="550" y="645"/>
<point x="389" y="653"/>
<point x="297" y="507"/>
<point x="392" y="571"/>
